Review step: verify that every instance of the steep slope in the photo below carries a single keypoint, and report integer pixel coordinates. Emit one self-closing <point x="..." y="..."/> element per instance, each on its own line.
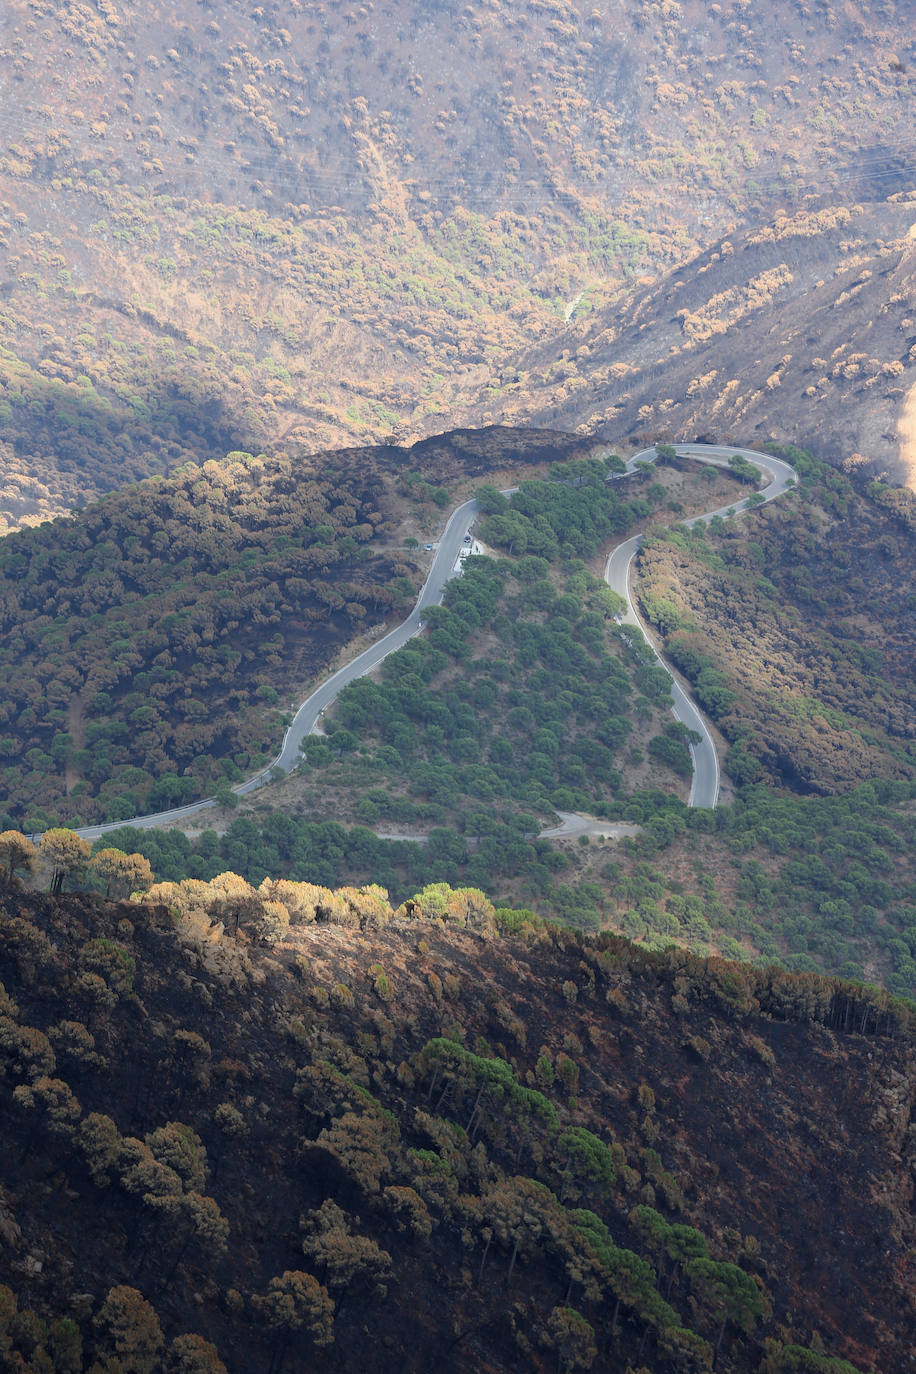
<point x="803" y="331"/>
<point x="309" y="224"/>
<point x="150" y="644"/>
<point x="414" y="1144"/>
<point x="808" y="616"/>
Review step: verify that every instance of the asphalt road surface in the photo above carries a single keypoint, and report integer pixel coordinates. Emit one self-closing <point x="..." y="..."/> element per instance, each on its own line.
<point x="306" y="718"/>
<point x="445" y="557"/>
<point x="704" y="789"/>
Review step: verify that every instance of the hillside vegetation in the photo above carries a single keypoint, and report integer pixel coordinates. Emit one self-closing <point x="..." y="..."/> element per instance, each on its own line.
<point x="416" y="1087"/>
<point x="523" y="696"/>
<point x="524" y="691"/>
<point x="309" y="224"/>
<point x="136" y="635"/>
<point x="391" y="1140"/>
<point x="802" y="330"/>
<point x="151" y="644"/>
<point x="797" y="627"/>
<point x="816" y="884"/>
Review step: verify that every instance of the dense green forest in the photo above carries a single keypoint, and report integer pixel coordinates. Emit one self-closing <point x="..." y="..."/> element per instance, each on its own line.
<point x="150" y="645"/>
<point x="237" y="1118"/>
<point x="139" y="637"/>
<point x="523" y="695"/>
<point x="537" y="720"/>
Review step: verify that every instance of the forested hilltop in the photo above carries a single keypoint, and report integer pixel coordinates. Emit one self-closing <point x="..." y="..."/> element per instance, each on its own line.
<point x="521" y="697"/>
<point x="151" y="645"/>
<point x="310" y="224"/>
<point x="251" y="1131"/>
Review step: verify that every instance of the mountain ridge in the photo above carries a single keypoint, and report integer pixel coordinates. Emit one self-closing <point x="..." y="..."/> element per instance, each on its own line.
<point x="751" y="338"/>
<point x="379" y="1038"/>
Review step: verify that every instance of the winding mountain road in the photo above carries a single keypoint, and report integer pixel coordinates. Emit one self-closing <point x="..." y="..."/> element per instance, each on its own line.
<point x="306" y="718"/>
<point x="705" y="787"/>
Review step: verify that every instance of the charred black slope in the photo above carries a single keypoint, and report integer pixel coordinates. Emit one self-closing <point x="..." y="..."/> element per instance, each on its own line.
<point x="413" y="1143"/>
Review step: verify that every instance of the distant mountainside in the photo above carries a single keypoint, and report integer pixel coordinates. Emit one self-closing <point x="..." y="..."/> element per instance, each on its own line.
<point x="801" y="331"/>
<point x="305" y="225"/>
<point x="398" y="1141"/>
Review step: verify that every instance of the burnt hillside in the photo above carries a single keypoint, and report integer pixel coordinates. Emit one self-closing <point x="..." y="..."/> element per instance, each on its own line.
<point x="801" y="330"/>
<point x="305" y="225"/>
<point x="386" y="1143"/>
